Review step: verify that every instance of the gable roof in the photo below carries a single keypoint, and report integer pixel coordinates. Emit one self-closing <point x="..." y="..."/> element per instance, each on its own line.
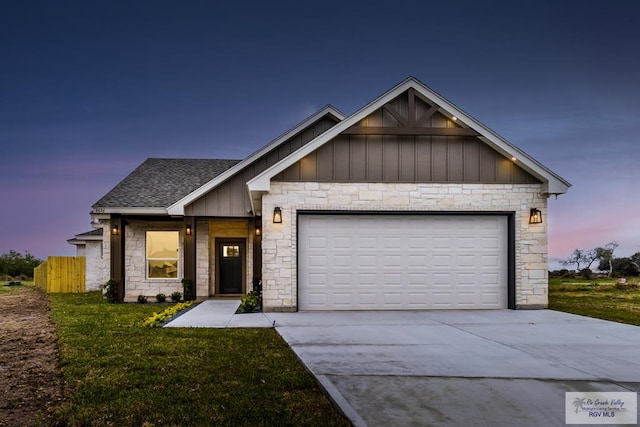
<point x="552" y="183"/>
<point x="157" y="183"/>
<point x="82" y="238"/>
<point x="177" y="208"/>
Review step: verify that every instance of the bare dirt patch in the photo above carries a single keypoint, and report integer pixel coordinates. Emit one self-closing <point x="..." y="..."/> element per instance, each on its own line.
<point x="30" y="378"/>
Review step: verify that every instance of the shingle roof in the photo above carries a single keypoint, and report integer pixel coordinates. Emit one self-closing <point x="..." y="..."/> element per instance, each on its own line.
<point x="94" y="232"/>
<point x="79" y="239"/>
<point x="161" y="182"/>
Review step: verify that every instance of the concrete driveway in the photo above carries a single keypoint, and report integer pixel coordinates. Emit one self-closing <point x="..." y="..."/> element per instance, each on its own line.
<point x="476" y="368"/>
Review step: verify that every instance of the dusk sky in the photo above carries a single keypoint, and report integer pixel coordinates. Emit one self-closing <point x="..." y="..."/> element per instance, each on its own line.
<point x="90" y="89"/>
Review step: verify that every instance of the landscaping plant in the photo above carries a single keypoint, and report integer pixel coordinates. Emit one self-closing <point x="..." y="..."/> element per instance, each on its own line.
<point x="110" y="290"/>
<point x="250" y="302"/>
<point x="187" y="284"/>
<point x="157" y="319"/>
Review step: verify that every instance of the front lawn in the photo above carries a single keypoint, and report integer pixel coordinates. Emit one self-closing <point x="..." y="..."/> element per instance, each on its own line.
<point x="600" y="298"/>
<point x="119" y="373"/>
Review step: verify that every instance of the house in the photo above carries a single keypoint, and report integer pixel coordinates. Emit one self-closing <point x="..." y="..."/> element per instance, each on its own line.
<point x="408" y="203"/>
<point x="89" y="245"/>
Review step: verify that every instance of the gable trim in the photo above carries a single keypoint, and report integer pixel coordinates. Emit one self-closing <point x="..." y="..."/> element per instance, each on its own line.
<point x="552" y="183"/>
<point x="177" y="209"/>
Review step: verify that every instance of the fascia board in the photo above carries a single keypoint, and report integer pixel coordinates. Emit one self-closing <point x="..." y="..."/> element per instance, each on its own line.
<point x="499" y="143"/>
<point x="130" y="210"/>
<point x="262" y="182"/>
<point x="90" y="238"/>
<point x="178" y="207"/>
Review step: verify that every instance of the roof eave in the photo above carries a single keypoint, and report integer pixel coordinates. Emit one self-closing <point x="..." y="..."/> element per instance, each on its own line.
<point x="127" y="210"/>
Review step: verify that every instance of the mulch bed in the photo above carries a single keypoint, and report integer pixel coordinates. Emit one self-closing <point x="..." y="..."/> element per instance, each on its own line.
<point x="30" y="379"/>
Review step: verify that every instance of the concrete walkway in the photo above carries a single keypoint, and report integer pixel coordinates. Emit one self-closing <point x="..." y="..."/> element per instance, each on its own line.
<point x="481" y="368"/>
<point x="219" y="314"/>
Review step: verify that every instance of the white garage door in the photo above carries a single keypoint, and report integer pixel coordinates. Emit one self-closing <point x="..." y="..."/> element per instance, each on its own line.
<point x="393" y="262"/>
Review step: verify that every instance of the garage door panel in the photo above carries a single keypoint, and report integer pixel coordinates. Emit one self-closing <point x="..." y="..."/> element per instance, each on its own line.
<point x="341" y="260"/>
<point x="318" y="279"/>
<point x="401" y="261"/>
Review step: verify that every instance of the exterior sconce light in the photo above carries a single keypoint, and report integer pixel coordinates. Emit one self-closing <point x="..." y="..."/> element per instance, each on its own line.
<point x="257" y="224"/>
<point x="277" y="215"/>
<point x="114" y="230"/>
<point x="535" y="217"/>
<point x="188" y="230"/>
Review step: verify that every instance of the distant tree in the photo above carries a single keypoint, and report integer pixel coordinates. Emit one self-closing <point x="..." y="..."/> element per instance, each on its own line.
<point x="15" y="264"/>
<point x="581" y="257"/>
<point x="605" y="255"/>
<point x="635" y="260"/>
<point x="624" y="267"/>
<point x="577" y="258"/>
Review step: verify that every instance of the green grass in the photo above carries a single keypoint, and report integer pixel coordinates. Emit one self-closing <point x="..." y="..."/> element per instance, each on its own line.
<point x="8" y="289"/>
<point x="119" y="373"/>
<point x="599" y="298"/>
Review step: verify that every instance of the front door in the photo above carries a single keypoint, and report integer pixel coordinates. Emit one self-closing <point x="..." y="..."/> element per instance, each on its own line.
<point x="230" y="257"/>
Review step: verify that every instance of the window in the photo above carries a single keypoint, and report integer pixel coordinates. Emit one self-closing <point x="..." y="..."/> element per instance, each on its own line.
<point x="162" y="254"/>
<point x="230" y="251"/>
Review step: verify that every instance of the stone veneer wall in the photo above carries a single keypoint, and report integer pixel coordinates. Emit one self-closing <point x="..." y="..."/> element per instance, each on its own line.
<point x="279" y="241"/>
<point x="95" y="268"/>
<point x="136" y="282"/>
<point x="202" y="260"/>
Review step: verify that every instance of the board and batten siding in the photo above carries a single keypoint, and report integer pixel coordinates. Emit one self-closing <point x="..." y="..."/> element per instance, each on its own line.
<point x="406" y="158"/>
<point x="230" y="199"/>
<point x="407" y="140"/>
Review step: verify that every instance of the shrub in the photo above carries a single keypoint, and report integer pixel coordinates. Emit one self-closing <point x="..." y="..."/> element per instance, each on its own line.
<point x="176" y="296"/>
<point x="158" y="319"/>
<point x="586" y="273"/>
<point x="161" y="297"/>
<point x="564" y="273"/>
<point x="186" y="289"/>
<point x="110" y="291"/>
<point x="142" y="299"/>
<point x="250" y="302"/>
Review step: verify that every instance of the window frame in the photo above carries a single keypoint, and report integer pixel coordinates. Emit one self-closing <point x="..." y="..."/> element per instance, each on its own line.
<point x="176" y="259"/>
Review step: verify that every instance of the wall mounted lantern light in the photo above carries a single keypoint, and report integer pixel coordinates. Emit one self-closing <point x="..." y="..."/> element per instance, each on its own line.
<point x="188" y="230"/>
<point x="277" y="215"/>
<point x="115" y="230"/>
<point x="535" y="217"/>
<point x="257" y="224"/>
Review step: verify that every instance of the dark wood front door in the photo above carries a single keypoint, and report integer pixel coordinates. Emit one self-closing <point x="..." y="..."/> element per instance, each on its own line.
<point x="230" y="266"/>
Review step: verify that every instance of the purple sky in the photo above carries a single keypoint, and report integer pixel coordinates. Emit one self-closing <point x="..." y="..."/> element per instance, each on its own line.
<point x="88" y="90"/>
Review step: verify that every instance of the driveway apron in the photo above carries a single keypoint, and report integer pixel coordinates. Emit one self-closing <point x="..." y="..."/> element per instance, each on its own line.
<point x="479" y="367"/>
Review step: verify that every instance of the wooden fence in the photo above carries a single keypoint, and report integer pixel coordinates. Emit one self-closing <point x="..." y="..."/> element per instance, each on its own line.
<point x="63" y="274"/>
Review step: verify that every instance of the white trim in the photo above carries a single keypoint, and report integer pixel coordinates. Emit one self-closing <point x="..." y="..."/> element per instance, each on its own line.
<point x="553" y="183"/>
<point x="177" y="208"/>
<point x="130" y="210"/>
